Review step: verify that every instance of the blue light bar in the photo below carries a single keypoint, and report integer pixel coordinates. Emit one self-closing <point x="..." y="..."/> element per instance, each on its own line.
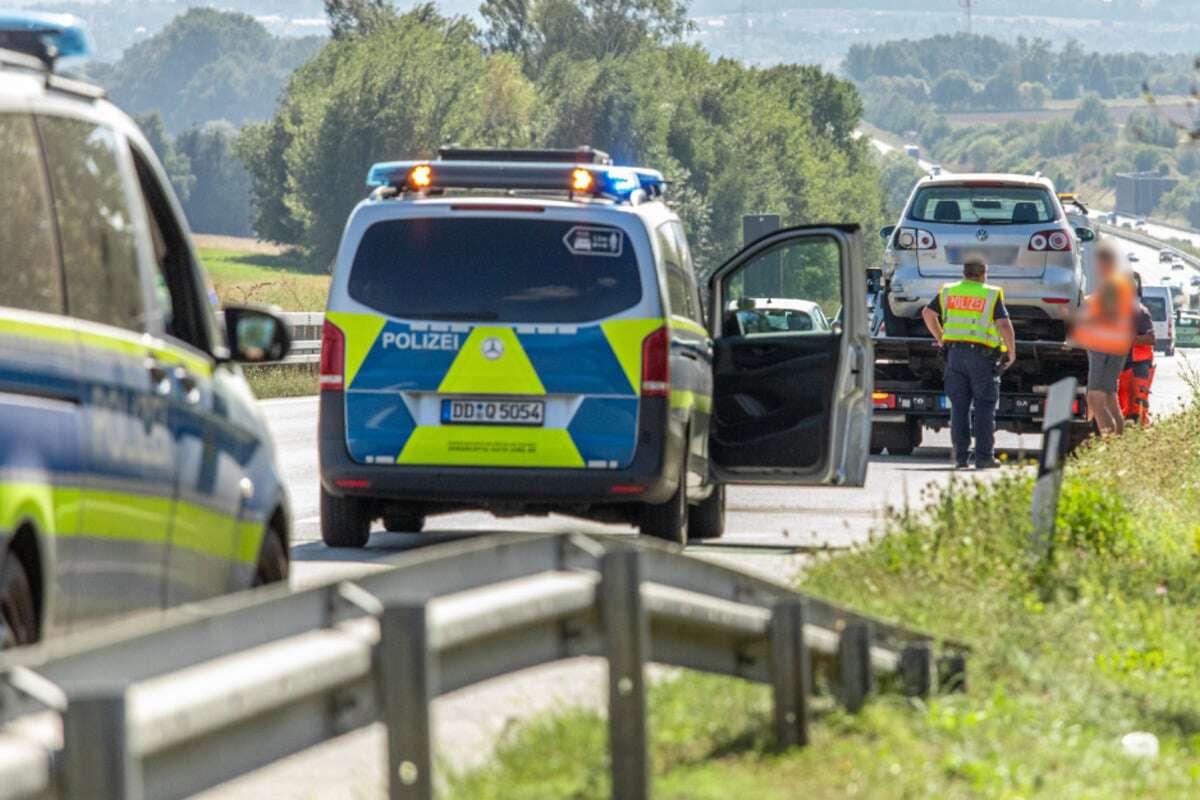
<point x="46" y="36"/>
<point x="615" y="183"/>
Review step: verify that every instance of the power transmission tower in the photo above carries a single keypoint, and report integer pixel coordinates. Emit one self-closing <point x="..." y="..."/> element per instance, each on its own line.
<point x="968" y="5"/>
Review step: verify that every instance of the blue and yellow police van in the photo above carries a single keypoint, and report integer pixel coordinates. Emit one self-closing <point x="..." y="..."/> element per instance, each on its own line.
<point x="136" y="471"/>
<point x="522" y="332"/>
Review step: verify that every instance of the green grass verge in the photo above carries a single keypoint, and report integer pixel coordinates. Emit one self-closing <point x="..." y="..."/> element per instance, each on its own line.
<point x="282" y="380"/>
<point x="277" y="280"/>
<point x="1069" y="654"/>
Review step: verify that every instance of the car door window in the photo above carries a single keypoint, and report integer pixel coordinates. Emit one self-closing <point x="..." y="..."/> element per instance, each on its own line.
<point x="785" y="290"/>
<point x="30" y="273"/>
<point x="95" y="222"/>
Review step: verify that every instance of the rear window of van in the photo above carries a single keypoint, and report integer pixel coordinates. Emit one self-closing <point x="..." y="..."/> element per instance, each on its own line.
<point x="503" y="269"/>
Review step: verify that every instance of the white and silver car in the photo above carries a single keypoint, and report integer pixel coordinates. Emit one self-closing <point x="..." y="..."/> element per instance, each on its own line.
<point x="1015" y="223"/>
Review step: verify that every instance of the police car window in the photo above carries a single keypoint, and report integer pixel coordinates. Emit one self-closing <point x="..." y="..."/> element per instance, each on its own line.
<point x="791" y="288"/>
<point x="30" y="274"/>
<point x="505" y="269"/>
<point x="95" y="222"/>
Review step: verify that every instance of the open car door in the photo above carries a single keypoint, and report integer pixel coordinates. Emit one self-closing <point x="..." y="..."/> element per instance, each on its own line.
<point x="792" y="390"/>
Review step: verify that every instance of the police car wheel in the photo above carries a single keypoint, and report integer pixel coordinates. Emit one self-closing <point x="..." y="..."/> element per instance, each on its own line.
<point x="669" y="521"/>
<point x="272" y="561"/>
<point x="396" y="520"/>
<point x="345" y="521"/>
<point x="707" y="520"/>
<point x="18" y="611"/>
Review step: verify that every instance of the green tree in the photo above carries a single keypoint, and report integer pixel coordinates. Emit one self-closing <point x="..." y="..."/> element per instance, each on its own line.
<point x="1151" y="128"/>
<point x="1092" y="111"/>
<point x="176" y="163"/>
<point x="898" y="174"/>
<point x="1000" y="93"/>
<point x="220" y="198"/>
<point x="953" y="90"/>
<point x="348" y="17"/>
<point x="205" y="65"/>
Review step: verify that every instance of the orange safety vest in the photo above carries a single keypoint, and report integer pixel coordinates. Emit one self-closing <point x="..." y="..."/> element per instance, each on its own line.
<point x="1107" y="325"/>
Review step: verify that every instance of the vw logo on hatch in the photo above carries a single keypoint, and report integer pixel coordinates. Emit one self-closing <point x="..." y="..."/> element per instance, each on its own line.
<point x="492" y="348"/>
<point x="981" y="234"/>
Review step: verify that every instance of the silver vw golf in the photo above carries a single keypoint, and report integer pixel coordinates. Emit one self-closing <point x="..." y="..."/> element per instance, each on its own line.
<point x="1015" y="223"/>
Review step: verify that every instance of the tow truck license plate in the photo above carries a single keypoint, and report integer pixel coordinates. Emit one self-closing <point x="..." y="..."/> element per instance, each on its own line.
<point x="494" y="412"/>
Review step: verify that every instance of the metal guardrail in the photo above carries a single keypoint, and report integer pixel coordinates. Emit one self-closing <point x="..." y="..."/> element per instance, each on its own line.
<point x="305" y="327"/>
<point x="166" y="707"/>
<point x="1147" y="241"/>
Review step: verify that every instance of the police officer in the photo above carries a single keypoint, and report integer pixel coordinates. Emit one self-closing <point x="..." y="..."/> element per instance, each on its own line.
<point x="969" y="320"/>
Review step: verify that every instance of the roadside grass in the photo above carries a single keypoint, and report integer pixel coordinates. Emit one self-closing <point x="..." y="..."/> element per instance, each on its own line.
<point x="282" y="279"/>
<point x="282" y="380"/>
<point x="1068" y="654"/>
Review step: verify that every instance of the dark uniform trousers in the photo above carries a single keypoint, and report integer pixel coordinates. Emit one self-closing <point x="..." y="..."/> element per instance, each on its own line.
<point x="974" y="391"/>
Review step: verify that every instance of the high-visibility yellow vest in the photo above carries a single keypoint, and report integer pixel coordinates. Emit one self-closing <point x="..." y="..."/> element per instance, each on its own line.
<point x="968" y="313"/>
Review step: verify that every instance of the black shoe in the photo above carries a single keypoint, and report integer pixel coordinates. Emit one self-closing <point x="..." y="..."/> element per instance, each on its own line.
<point x="991" y="463"/>
<point x="960" y="465"/>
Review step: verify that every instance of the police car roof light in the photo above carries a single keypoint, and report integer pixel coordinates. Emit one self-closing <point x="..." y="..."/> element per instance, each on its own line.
<point x="578" y="155"/>
<point x="47" y="37"/>
<point x="615" y="183"/>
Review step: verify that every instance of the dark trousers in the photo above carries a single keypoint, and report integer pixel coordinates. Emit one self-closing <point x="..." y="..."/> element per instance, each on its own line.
<point x="974" y="390"/>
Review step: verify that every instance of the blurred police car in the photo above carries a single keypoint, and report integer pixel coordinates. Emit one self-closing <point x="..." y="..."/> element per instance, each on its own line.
<point x="522" y="332"/>
<point x="135" y="469"/>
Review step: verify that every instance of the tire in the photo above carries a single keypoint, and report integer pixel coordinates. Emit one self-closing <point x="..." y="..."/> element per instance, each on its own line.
<point x="1170" y="351"/>
<point x="707" y="520"/>
<point x="402" y="519"/>
<point x="669" y="521"/>
<point x="345" y="521"/>
<point x="273" y="565"/>
<point x="18" y="609"/>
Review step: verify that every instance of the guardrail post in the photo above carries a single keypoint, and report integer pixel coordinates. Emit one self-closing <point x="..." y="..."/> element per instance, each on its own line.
<point x="952" y="673"/>
<point x="407" y="679"/>
<point x="854" y="664"/>
<point x="791" y="672"/>
<point x="98" y="763"/>
<point x="916" y="669"/>
<point x="626" y="641"/>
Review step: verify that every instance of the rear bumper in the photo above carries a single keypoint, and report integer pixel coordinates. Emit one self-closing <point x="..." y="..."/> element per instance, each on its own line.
<point x="1054" y="296"/>
<point x="655" y="471"/>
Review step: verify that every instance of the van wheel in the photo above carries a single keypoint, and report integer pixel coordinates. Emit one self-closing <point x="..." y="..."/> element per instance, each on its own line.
<point x="345" y="521"/>
<point x="272" y="561"/>
<point x="707" y="520"/>
<point x="402" y="519"/>
<point x="18" y="611"/>
<point x="669" y="521"/>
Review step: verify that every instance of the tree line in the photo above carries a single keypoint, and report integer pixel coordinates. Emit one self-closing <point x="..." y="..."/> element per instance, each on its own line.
<point x="557" y="73"/>
<point x="965" y="72"/>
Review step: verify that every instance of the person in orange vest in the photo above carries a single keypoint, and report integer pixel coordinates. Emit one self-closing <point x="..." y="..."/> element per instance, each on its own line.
<point x="1104" y="327"/>
<point x="1140" y="364"/>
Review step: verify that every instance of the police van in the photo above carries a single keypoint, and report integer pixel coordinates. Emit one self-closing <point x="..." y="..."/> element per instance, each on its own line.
<point x="135" y="469"/>
<point x="522" y="332"/>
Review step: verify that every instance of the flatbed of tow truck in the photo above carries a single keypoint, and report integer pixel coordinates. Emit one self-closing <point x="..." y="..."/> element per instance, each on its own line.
<point x="909" y="395"/>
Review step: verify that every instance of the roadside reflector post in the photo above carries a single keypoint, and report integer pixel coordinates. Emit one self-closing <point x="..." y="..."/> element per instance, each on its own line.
<point x="407" y="683"/>
<point x="916" y="669"/>
<point x="98" y="762"/>
<point x="1056" y="430"/>
<point x="854" y="664"/>
<point x="627" y="644"/>
<point x="791" y="672"/>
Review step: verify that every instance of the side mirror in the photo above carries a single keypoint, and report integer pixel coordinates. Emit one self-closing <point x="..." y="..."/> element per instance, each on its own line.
<point x="1085" y="234"/>
<point x="256" y="335"/>
<point x="886" y="232"/>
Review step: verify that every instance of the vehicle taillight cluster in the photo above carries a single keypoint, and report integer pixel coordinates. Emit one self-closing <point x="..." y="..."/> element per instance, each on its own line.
<point x="333" y="358"/>
<point x="656" y="364"/>
<point x="915" y="239"/>
<point x="1056" y="240"/>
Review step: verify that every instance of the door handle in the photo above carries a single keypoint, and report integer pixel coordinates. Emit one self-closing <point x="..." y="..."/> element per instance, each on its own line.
<point x="160" y="379"/>
<point x="189" y="385"/>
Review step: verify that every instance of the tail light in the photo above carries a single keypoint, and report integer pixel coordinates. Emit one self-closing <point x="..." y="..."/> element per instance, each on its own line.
<point x="656" y="364"/>
<point x="333" y="358"/>
<point x="1058" y="301"/>
<point x="915" y="239"/>
<point x="883" y="400"/>
<point x="1056" y="241"/>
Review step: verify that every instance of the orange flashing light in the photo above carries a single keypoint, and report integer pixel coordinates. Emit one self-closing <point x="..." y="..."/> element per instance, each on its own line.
<point x="420" y="176"/>
<point x="582" y="181"/>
